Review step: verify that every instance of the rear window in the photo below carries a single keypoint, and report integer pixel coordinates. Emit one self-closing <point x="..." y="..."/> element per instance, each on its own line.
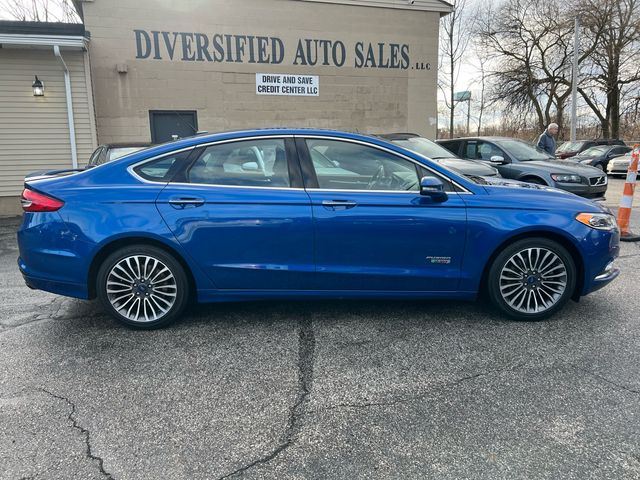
<point x="120" y="152"/>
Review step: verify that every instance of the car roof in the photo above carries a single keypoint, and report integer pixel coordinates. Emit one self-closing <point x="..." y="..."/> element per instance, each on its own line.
<point x="127" y="144"/>
<point x="479" y="138"/>
<point x="397" y="136"/>
<point x="267" y="132"/>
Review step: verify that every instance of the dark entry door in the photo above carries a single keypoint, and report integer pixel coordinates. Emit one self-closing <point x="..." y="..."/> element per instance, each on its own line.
<point x="167" y="123"/>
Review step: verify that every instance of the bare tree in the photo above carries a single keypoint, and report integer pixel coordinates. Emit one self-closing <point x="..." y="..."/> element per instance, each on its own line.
<point x="612" y="69"/>
<point x="455" y="35"/>
<point x="530" y="43"/>
<point x="41" y="10"/>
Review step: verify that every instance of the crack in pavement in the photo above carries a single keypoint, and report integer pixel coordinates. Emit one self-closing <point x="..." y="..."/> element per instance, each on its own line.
<point x="606" y="380"/>
<point x="59" y="303"/>
<point x="416" y="397"/>
<point x="71" y="417"/>
<point x="306" y="352"/>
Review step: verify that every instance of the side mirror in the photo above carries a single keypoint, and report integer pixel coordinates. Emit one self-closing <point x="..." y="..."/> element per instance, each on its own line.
<point x="433" y="188"/>
<point x="498" y="159"/>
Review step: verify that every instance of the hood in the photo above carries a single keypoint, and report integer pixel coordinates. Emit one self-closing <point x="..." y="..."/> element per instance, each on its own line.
<point x="578" y="159"/>
<point x="506" y="182"/>
<point x="514" y="190"/>
<point x="468" y="167"/>
<point x="566" y="166"/>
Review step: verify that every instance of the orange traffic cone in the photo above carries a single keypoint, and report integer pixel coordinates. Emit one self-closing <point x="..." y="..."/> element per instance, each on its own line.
<point x="624" y="214"/>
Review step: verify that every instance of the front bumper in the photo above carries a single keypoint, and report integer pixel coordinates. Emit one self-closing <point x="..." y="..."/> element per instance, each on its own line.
<point x="583" y="190"/>
<point x="601" y="248"/>
<point x="609" y="274"/>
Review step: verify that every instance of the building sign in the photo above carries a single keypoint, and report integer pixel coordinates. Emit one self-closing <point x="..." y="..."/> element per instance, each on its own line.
<point x="286" y="84"/>
<point x="248" y="49"/>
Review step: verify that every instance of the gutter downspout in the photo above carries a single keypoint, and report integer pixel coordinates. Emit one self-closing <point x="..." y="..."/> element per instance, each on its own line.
<point x="70" y="121"/>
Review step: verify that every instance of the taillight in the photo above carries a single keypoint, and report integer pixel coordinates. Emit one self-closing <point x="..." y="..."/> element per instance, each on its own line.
<point x="38" y="202"/>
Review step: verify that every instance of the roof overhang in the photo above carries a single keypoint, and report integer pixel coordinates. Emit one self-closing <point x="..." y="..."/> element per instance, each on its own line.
<point x="441" y="6"/>
<point x="35" y="41"/>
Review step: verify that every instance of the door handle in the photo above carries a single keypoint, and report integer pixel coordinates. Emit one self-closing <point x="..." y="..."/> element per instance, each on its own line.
<point x="338" y="204"/>
<point x="184" y="202"/>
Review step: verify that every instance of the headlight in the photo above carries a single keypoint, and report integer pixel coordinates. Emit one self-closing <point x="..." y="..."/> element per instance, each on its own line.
<point x="599" y="221"/>
<point x="564" y="178"/>
<point x="586" y="162"/>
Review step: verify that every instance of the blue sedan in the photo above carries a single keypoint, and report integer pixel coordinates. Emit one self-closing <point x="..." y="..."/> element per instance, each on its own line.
<point x="305" y="214"/>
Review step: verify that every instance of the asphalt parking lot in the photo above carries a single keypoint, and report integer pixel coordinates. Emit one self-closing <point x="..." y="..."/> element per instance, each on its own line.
<point x="317" y="390"/>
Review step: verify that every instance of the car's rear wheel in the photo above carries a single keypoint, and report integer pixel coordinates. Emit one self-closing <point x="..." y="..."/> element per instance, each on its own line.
<point x="143" y="286"/>
<point x="532" y="279"/>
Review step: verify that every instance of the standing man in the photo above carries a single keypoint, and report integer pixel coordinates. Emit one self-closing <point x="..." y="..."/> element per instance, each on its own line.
<point x="546" y="141"/>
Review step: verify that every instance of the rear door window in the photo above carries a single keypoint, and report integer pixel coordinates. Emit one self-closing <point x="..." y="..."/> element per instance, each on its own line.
<point x="249" y="163"/>
<point x="481" y="150"/>
<point x="452" y="145"/>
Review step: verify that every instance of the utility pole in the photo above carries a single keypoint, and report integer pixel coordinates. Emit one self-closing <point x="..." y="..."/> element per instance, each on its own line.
<point x="574" y="79"/>
<point x="468" y="114"/>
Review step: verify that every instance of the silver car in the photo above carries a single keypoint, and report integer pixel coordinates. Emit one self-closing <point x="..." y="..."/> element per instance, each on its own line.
<point x="618" y="166"/>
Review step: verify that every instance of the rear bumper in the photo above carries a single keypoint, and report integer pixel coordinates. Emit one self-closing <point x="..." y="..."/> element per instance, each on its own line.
<point x="52" y="257"/>
<point x="74" y="290"/>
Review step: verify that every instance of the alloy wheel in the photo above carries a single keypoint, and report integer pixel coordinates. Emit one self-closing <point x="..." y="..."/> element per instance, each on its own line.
<point x="141" y="288"/>
<point x="533" y="280"/>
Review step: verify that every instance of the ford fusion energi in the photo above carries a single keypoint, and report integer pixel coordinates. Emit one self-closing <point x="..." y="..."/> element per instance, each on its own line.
<point x="303" y="214"/>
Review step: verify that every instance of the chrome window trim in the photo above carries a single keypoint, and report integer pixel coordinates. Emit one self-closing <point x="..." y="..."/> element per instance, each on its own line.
<point x="199" y="185"/>
<point x="132" y="172"/>
<point x="387" y="150"/>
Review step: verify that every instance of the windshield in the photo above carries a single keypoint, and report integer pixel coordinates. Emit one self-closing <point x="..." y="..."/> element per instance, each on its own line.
<point x="120" y="152"/>
<point x="570" y="147"/>
<point x="424" y="147"/>
<point x="593" y="151"/>
<point x="523" y="151"/>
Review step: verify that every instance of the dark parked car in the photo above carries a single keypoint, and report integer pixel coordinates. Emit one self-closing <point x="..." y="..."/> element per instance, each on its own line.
<point x="102" y="154"/>
<point x="570" y="149"/>
<point x="113" y="151"/>
<point x="519" y="160"/>
<point x="600" y="155"/>
<point x="435" y="152"/>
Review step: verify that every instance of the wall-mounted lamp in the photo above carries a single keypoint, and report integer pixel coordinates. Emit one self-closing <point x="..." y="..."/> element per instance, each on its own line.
<point x="38" y="88"/>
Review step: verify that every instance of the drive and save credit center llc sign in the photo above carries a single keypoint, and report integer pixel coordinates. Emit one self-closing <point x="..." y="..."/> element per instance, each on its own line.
<point x="287" y="84"/>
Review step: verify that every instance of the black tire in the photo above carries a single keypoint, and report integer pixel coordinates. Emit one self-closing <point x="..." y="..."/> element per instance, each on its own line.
<point x="175" y="289"/>
<point x="535" y="180"/>
<point x="510" y="286"/>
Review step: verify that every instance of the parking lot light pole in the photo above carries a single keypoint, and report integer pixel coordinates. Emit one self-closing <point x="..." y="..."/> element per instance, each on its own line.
<point x="574" y="79"/>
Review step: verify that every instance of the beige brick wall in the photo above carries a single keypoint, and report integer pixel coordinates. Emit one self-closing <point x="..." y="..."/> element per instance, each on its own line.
<point x="367" y="99"/>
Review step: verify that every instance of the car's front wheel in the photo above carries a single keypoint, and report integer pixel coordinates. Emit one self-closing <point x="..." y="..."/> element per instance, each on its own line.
<point x="143" y="286"/>
<point x="532" y="279"/>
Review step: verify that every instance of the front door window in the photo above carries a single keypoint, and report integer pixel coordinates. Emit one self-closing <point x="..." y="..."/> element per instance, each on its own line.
<point x="351" y="166"/>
